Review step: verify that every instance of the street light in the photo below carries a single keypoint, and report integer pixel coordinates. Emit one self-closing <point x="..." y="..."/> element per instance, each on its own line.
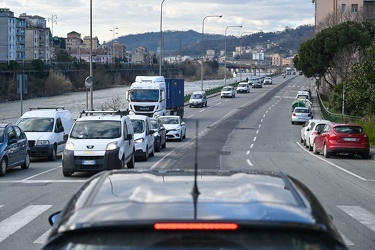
<point x="113" y="42"/>
<point x="225" y="53"/>
<point x="161" y="36"/>
<point x="203" y="47"/>
<point x="241" y="51"/>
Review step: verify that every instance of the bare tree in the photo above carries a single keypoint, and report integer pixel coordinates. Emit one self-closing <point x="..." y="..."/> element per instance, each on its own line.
<point x="339" y="16"/>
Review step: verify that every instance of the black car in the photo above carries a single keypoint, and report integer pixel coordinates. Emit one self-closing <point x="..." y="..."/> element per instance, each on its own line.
<point x="14" y="148"/>
<point x="183" y="209"/>
<point x="160" y="135"/>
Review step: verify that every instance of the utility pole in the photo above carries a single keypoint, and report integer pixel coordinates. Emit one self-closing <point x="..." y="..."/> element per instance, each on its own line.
<point x="53" y="19"/>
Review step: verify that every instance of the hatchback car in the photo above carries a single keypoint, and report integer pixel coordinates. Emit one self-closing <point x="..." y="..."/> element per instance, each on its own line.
<point x="338" y="138"/>
<point x="228" y="91"/>
<point x="14" y="148"/>
<point x="173" y="209"/>
<point x="160" y="135"/>
<point x="311" y="133"/>
<point x="267" y="80"/>
<point x="175" y="127"/>
<point x="243" y="87"/>
<point x="301" y="115"/>
<point x="306" y="127"/>
<point x="198" y="99"/>
<point x="257" y="83"/>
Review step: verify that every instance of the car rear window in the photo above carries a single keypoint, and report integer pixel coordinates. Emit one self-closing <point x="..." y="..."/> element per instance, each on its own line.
<point x="348" y="129"/>
<point x="302" y="111"/>
<point x="200" y="239"/>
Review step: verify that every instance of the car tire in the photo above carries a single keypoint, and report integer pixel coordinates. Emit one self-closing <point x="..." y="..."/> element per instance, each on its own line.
<point x="26" y="163"/>
<point x="309" y="146"/>
<point x="146" y="155"/>
<point x="365" y="155"/>
<point x="325" y="152"/>
<point x="301" y="140"/>
<point x="315" y="151"/>
<point x="52" y="156"/>
<point x="184" y="136"/>
<point x="67" y="174"/>
<point x="180" y="138"/>
<point x="3" y="166"/>
<point x="292" y="123"/>
<point x="157" y="147"/>
<point x="153" y="152"/>
<point x="131" y="163"/>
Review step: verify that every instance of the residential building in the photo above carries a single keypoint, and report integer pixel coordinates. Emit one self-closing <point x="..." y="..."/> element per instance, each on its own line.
<point x="38" y="38"/>
<point x="13" y="38"/>
<point x="140" y="55"/>
<point x="332" y="12"/>
<point x="276" y="59"/>
<point x="87" y="42"/>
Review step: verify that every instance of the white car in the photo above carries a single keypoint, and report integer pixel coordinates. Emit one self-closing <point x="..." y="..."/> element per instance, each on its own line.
<point x="243" y="87"/>
<point x="143" y="136"/>
<point x="311" y="134"/>
<point x="228" y="91"/>
<point x="306" y="127"/>
<point x="301" y="115"/>
<point x="176" y="128"/>
<point x="267" y="80"/>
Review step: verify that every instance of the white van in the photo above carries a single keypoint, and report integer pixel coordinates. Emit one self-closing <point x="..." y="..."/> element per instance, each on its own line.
<point x="45" y="129"/>
<point x="143" y="136"/>
<point x="99" y="140"/>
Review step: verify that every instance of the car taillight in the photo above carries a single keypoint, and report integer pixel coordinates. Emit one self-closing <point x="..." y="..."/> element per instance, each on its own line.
<point x="314" y="133"/>
<point x="195" y="226"/>
<point x="310" y="114"/>
<point x="294" y="114"/>
<point x="332" y="136"/>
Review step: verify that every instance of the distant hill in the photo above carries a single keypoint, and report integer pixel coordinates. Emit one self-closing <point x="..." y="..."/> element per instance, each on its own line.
<point x="189" y="42"/>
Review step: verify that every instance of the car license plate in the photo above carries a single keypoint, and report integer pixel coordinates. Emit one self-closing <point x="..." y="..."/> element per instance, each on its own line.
<point x="88" y="162"/>
<point x="350" y="139"/>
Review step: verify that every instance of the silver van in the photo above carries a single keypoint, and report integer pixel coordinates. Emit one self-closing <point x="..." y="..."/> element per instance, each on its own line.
<point x="198" y="99"/>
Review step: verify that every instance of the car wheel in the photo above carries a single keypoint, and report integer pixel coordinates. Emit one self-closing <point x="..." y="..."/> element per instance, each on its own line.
<point x="146" y="155"/>
<point x="325" y="152"/>
<point x="157" y="147"/>
<point x="3" y="166"/>
<point x="292" y="123"/>
<point x="153" y="152"/>
<point x="205" y="104"/>
<point x="26" y="163"/>
<point x="67" y="174"/>
<point x="180" y="138"/>
<point x="301" y="140"/>
<point x="309" y="146"/>
<point x="365" y="155"/>
<point x="131" y="163"/>
<point x="184" y="136"/>
<point x="52" y="156"/>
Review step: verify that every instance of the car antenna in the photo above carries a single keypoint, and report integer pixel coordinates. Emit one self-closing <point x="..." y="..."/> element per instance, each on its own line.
<point x="195" y="191"/>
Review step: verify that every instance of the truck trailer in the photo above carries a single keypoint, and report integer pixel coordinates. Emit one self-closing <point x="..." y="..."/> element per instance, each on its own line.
<point x="156" y="96"/>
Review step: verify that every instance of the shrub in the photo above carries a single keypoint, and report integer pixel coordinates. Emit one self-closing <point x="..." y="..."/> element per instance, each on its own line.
<point x="57" y="83"/>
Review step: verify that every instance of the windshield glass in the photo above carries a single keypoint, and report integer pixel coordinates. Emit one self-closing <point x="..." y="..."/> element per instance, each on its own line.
<point x="96" y="130"/>
<point x="36" y="124"/>
<point x="144" y="95"/>
<point x="242" y="85"/>
<point x="138" y="126"/>
<point x="227" y="89"/>
<point x="169" y="120"/>
<point x="196" y="96"/>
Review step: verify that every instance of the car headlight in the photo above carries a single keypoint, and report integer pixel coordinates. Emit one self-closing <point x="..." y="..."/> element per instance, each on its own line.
<point x="43" y="142"/>
<point x="111" y="146"/>
<point x="69" y="146"/>
<point x="139" y="140"/>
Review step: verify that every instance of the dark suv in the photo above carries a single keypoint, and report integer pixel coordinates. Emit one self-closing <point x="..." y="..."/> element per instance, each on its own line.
<point x="183" y="209"/>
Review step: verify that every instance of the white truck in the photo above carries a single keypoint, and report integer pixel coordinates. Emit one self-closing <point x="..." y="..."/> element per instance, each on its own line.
<point x="156" y="96"/>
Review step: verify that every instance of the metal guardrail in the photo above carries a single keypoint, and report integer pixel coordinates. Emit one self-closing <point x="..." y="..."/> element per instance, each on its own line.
<point x="333" y="116"/>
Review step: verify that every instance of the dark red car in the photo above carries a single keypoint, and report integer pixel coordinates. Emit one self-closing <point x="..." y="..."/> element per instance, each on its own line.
<point x="337" y="138"/>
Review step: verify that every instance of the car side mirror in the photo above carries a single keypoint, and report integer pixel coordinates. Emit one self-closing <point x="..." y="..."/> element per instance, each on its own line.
<point x="53" y="218"/>
<point x="12" y="141"/>
<point x="151" y="132"/>
<point x="183" y="123"/>
<point x="65" y="137"/>
<point x="128" y="137"/>
<point x="162" y="128"/>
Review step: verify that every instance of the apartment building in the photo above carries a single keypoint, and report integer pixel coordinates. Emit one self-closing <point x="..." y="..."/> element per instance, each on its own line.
<point x="38" y="38"/>
<point x="13" y="38"/>
<point x="332" y="12"/>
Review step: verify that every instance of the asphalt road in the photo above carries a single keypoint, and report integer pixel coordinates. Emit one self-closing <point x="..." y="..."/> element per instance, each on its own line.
<point x="250" y="131"/>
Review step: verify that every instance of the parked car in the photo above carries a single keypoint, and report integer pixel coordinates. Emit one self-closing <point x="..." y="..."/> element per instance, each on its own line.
<point x="143" y="136"/>
<point x="316" y="127"/>
<point x="228" y="91"/>
<point x="173" y="209"/>
<point x="198" y="99"/>
<point x="305" y="128"/>
<point x="337" y="138"/>
<point x="99" y="140"/>
<point x="243" y="87"/>
<point x="45" y="129"/>
<point x="301" y="115"/>
<point x="267" y="80"/>
<point x="14" y="148"/>
<point x="176" y="128"/>
<point x="160" y="135"/>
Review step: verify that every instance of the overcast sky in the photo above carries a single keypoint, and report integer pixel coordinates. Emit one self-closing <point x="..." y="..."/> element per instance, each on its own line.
<point x="140" y="16"/>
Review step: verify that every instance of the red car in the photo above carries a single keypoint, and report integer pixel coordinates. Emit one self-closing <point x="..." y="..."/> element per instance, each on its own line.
<point x="337" y="138"/>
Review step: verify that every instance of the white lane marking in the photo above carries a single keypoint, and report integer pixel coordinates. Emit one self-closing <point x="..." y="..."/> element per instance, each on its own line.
<point x="249" y="162"/>
<point x="255" y="138"/>
<point x="261" y="121"/>
<point x="190" y="116"/>
<point x="248" y="152"/>
<point x="43" y="238"/>
<point x="252" y="145"/>
<point x="33" y="176"/>
<point x="362" y="215"/>
<point x="332" y="164"/>
<point x="260" y="125"/>
<point x="264" y="115"/>
<point x="257" y="132"/>
<point x="13" y="223"/>
<point x="346" y="240"/>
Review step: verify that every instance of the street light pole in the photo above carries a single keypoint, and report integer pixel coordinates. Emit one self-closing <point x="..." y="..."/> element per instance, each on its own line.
<point x="113" y="42"/>
<point x="241" y="51"/>
<point x="203" y="47"/>
<point x="161" y="37"/>
<point x="225" y="53"/>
